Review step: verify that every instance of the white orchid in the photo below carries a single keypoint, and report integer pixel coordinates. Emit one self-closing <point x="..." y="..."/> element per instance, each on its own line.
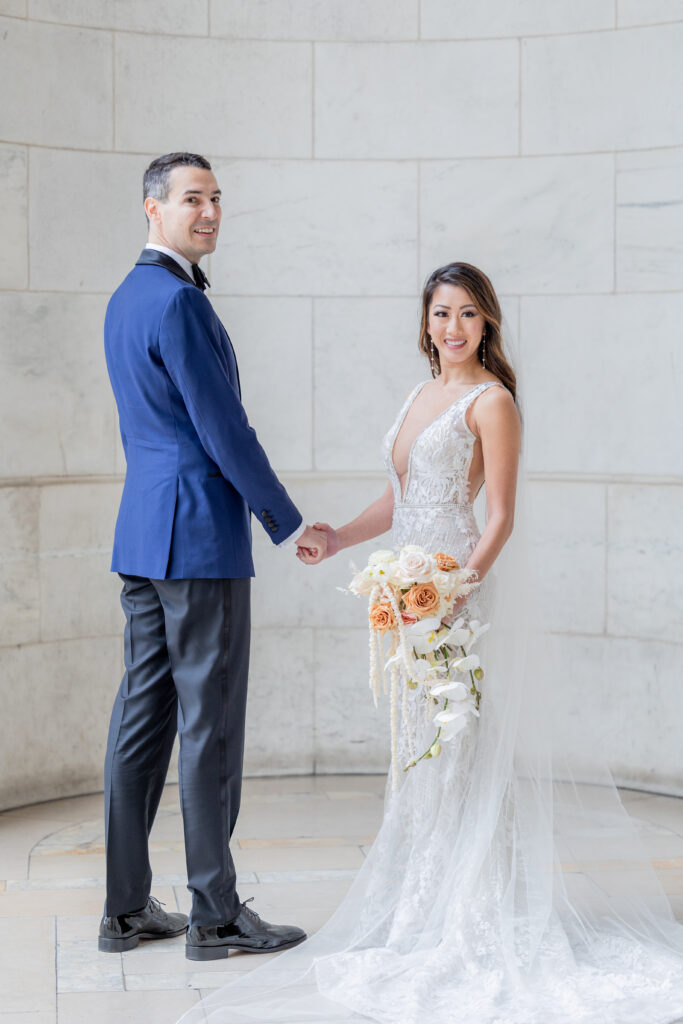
<point x="423" y="635"/>
<point x="476" y="630"/>
<point x="455" y="690"/>
<point x="458" y="634"/>
<point x="418" y="670"/>
<point x="467" y="664"/>
<point x="454" y="719"/>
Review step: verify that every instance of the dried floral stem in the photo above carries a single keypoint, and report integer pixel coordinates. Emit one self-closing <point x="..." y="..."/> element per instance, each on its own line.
<point x="394" y="725"/>
<point x="374" y="673"/>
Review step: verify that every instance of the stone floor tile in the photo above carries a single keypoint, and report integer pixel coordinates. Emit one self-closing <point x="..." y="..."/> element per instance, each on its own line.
<point x="67" y="865"/>
<point x="81" y="837"/>
<point x="51" y="884"/>
<point x="315" y="784"/>
<point x="64" y="901"/>
<point x="175" y="981"/>
<point x="64" y="811"/>
<point x="306" y="877"/>
<point x="124" y="1007"/>
<point x="301" y="842"/>
<point x="672" y="880"/>
<point x="154" y="947"/>
<point x="297" y="858"/>
<point x="659" y="810"/>
<point x="13" y="865"/>
<point x="27" y="964"/>
<point x="144" y="971"/>
<point x="93" y="865"/>
<point x="24" y="833"/>
<point x="316" y="815"/>
<point x="82" y="968"/>
<point x="75" y="927"/>
<point x="659" y="846"/>
<point x="292" y="897"/>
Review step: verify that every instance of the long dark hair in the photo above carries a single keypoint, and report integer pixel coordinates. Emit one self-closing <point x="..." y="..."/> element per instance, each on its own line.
<point x="481" y="291"/>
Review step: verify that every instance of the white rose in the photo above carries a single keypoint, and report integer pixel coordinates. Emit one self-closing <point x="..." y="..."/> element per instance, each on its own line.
<point x="443" y="582"/>
<point x="415" y="564"/>
<point x="381" y="556"/>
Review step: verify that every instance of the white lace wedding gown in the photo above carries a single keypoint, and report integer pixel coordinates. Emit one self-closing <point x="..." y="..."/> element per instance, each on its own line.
<point x="463" y="912"/>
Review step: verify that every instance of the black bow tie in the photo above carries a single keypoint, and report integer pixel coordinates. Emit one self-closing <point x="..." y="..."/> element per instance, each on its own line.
<point x="200" y="278"/>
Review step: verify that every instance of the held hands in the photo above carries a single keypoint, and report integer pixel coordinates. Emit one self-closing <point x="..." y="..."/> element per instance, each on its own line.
<point x="316" y="543"/>
<point x="311" y="546"/>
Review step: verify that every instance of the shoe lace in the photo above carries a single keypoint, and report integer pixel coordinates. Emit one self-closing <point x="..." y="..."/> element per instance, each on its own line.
<point x="251" y="913"/>
<point x="157" y="904"/>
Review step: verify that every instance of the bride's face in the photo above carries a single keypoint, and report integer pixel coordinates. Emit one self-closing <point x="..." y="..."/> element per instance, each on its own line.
<point x="455" y="326"/>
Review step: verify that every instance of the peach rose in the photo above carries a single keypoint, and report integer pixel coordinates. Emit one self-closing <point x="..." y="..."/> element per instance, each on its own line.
<point x="422" y="599"/>
<point x="409" y="618"/>
<point x="382" y="617"/>
<point x="446" y="563"/>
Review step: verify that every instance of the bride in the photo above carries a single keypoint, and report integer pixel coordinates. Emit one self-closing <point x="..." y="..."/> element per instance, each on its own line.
<point x="506" y="884"/>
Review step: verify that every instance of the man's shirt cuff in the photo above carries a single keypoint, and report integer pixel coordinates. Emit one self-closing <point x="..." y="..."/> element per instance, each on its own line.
<point x="293" y="537"/>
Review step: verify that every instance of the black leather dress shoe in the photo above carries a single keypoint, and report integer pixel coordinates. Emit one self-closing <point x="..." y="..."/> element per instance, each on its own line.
<point x="125" y="931"/>
<point x="247" y="932"/>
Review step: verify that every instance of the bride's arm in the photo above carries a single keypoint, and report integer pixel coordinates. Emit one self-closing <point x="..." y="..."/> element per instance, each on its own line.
<point x="496" y="424"/>
<point x="375" y="520"/>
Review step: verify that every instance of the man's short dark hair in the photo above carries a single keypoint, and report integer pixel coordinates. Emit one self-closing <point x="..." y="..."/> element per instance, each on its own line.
<point x="155" y="182"/>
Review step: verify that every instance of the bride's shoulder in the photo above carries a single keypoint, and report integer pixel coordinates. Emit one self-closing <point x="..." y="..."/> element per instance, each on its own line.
<point x="495" y="406"/>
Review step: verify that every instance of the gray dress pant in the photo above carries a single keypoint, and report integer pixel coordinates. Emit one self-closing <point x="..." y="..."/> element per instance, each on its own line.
<point x="186" y="647"/>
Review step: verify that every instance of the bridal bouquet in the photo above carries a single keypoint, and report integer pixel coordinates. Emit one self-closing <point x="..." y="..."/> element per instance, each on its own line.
<point x="409" y="595"/>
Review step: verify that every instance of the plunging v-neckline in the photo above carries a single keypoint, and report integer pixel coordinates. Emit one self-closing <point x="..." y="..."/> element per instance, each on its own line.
<point x="402" y="490"/>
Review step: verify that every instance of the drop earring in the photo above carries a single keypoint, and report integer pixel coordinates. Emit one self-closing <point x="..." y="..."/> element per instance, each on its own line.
<point x="431" y="357"/>
<point x="483" y="350"/>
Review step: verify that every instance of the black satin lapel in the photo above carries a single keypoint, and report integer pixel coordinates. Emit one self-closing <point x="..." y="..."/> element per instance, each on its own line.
<point x="152" y="257"/>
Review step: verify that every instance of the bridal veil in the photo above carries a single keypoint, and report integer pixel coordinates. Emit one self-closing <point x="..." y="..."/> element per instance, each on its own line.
<point x="507" y="884"/>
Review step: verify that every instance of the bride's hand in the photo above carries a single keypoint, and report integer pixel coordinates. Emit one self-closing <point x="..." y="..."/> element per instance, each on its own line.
<point x="457" y="608"/>
<point x="333" y="543"/>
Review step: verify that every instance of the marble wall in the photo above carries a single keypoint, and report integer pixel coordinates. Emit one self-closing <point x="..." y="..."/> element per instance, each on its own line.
<point x="358" y="144"/>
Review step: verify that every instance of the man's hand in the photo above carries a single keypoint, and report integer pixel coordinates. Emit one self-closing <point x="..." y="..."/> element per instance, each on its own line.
<point x="311" y="546"/>
<point x="333" y="542"/>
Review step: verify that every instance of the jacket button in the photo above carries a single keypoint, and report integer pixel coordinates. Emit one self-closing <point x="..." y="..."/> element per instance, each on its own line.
<point x="264" y="515"/>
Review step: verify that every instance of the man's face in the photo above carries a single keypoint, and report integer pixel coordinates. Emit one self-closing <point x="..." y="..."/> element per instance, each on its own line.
<point x="188" y="220"/>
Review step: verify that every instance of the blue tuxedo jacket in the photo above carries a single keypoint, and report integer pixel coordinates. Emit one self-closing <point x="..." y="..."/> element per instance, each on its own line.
<point x="195" y="467"/>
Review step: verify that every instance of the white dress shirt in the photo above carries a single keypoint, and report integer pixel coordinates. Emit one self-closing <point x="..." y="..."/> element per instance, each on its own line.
<point x="187" y="267"/>
<point x="178" y="257"/>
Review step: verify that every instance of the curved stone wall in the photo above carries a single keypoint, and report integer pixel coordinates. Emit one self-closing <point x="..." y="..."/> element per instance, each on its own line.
<point x="358" y="146"/>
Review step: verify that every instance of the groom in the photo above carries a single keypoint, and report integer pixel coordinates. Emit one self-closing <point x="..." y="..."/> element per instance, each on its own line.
<point x="195" y="473"/>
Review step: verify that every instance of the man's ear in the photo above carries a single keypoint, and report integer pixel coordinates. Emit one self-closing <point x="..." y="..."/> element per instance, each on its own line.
<point x="152" y="210"/>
